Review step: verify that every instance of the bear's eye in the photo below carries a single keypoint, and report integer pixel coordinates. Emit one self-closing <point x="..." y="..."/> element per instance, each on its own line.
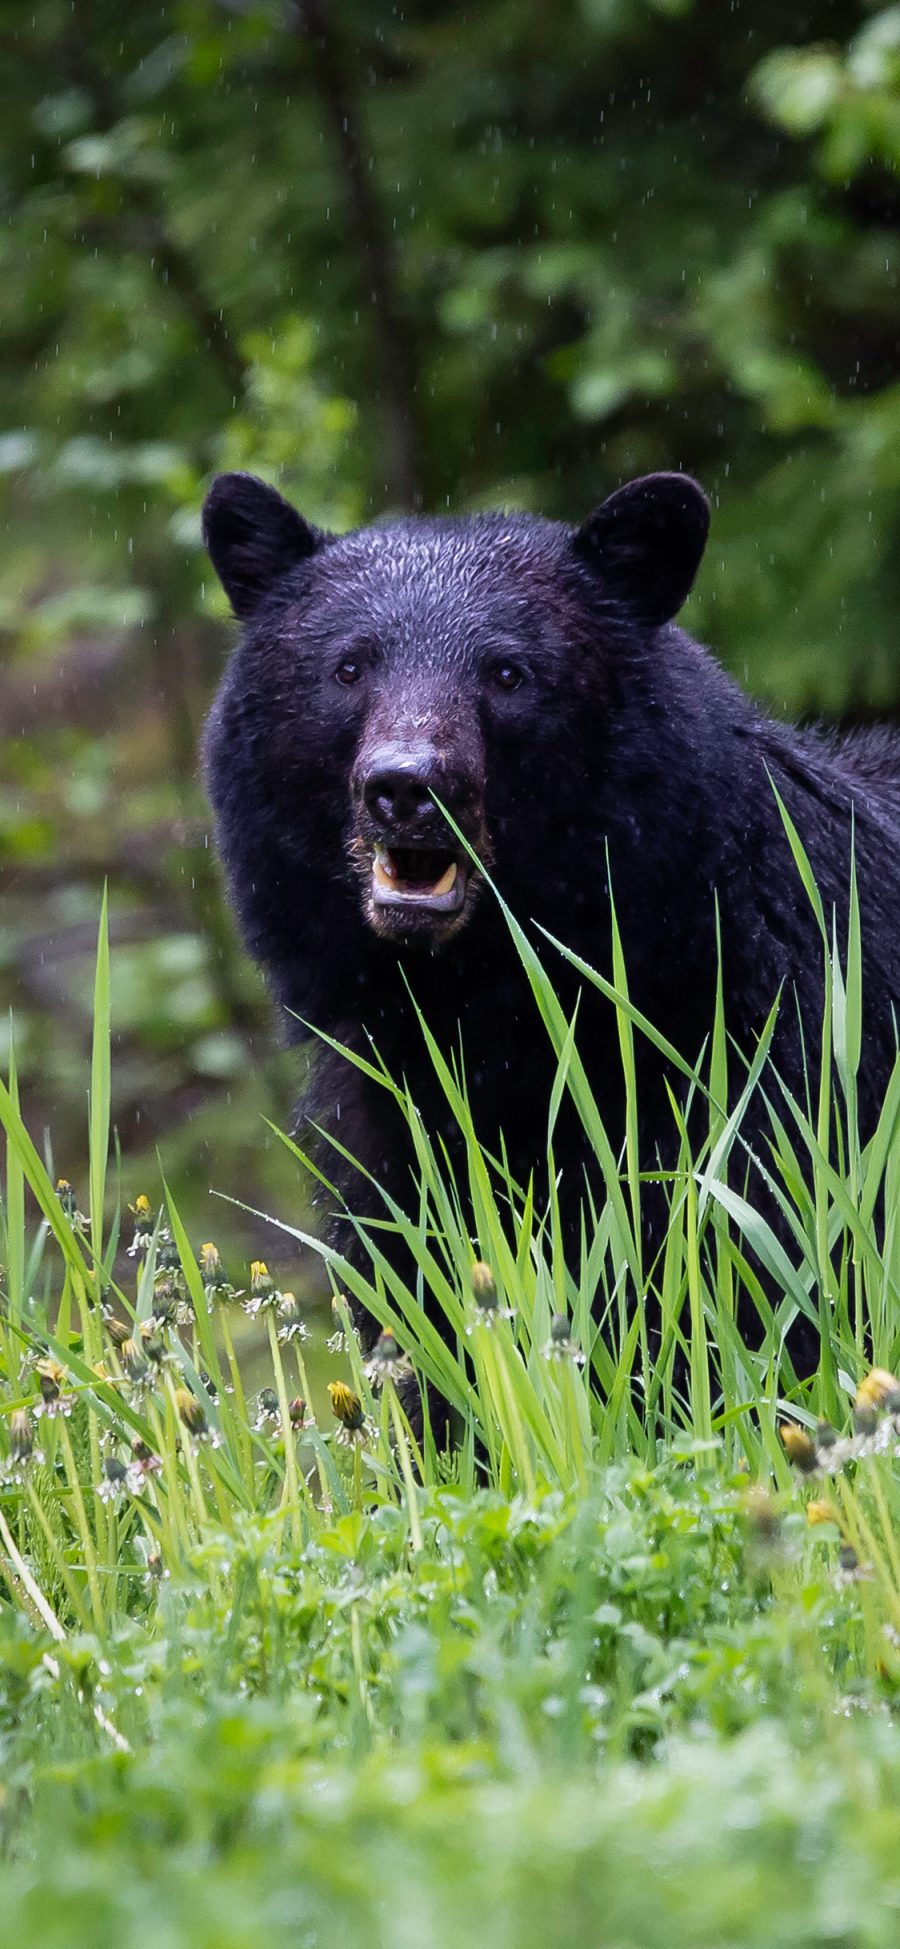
<point x="507" y="676"/>
<point x="348" y="671"/>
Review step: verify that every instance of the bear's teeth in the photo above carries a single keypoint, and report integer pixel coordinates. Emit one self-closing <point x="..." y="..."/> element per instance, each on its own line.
<point x="386" y="876"/>
<point x="446" y="880"/>
<point x="382" y="870"/>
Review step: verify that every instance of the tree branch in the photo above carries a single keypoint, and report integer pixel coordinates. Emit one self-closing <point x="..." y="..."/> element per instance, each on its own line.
<point x="391" y="341"/>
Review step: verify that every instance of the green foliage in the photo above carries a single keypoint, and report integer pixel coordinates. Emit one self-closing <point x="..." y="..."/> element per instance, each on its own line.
<point x="344" y="253"/>
<point x="376" y="1751"/>
<point x="265" y="1667"/>
<point x="599" y="1679"/>
<point x="386" y="262"/>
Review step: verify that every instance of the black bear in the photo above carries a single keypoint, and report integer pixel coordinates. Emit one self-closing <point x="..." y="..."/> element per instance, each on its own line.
<point x="527" y="676"/>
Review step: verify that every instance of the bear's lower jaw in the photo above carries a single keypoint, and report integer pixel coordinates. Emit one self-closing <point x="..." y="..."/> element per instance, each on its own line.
<point x="410" y="926"/>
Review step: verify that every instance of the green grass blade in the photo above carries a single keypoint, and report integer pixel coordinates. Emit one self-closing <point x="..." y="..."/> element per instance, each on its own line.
<point x="100" y="1087"/>
<point x="14" y="1203"/>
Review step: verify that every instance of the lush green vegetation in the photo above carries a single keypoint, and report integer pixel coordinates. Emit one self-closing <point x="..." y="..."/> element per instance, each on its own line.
<point x="624" y="1663"/>
<point x="624" y="1667"/>
<point x="392" y="258"/>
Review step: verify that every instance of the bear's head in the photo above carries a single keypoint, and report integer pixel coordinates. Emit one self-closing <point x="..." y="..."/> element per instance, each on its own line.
<point x="390" y="675"/>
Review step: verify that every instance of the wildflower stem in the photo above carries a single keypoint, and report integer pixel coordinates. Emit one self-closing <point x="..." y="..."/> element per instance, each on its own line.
<point x="304" y="1389"/>
<point x="190" y="1458"/>
<point x="104" y="1518"/>
<point x="33" y="1591"/>
<point x="81" y="1522"/>
<point x="502" y="1386"/>
<point x="292" y="1473"/>
<point x="89" y="1320"/>
<point x="358" y="1666"/>
<point x="172" y="1504"/>
<point x="575" y="1447"/>
<point x="35" y="1596"/>
<point x="412" y="1500"/>
<point x="240" y="1402"/>
<point x="890" y="1540"/>
<point x="351" y="1341"/>
<point x="224" y="1511"/>
<point x="59" y="1563"/>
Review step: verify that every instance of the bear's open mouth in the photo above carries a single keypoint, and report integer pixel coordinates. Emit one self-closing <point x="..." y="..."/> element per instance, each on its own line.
<point x="428" y="877"/>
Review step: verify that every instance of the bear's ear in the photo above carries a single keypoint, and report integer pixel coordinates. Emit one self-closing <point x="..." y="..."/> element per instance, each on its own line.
<point x="253" y="536"/>
<point x="646" y="542"/>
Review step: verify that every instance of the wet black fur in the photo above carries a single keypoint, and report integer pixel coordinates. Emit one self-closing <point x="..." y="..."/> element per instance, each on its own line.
<point x="626" y="741"/>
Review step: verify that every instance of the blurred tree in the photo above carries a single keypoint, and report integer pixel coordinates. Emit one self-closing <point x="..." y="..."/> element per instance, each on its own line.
<point x="394" y="258"/>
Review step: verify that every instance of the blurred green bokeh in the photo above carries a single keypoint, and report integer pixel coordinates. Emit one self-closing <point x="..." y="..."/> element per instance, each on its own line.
<point x="395" y="257"/>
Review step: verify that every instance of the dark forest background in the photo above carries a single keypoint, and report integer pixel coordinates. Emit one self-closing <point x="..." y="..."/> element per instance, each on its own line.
<point x="392" y="256"/>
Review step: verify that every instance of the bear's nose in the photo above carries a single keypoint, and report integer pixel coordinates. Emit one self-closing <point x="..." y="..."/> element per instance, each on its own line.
<point x="397" y="791"/>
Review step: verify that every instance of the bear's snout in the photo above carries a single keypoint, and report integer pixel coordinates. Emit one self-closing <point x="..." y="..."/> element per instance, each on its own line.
<point x="417" y="876"/>
<point x="398" y="785"/>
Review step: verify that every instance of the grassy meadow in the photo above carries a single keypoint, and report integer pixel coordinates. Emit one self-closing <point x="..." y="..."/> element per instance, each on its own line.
<point x="622" y="1667"/>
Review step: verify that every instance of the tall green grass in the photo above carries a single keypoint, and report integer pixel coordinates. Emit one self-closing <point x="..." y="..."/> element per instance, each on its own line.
<point x="619" y="1665"/>
<point x="131" y="1391"/>
<point x="664" y="1357"/>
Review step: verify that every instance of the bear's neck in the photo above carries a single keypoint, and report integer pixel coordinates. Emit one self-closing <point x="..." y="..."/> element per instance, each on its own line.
<point x="697" y="842"/>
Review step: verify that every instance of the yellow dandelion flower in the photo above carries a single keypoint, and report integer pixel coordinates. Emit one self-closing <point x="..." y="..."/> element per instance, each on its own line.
<point x="822" y="1511"/>
<point x="798" y="1447"/>
<point x="878" y="1389"/>
<point x="346" y="1406"/>
<point x="190" y="1411"/>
